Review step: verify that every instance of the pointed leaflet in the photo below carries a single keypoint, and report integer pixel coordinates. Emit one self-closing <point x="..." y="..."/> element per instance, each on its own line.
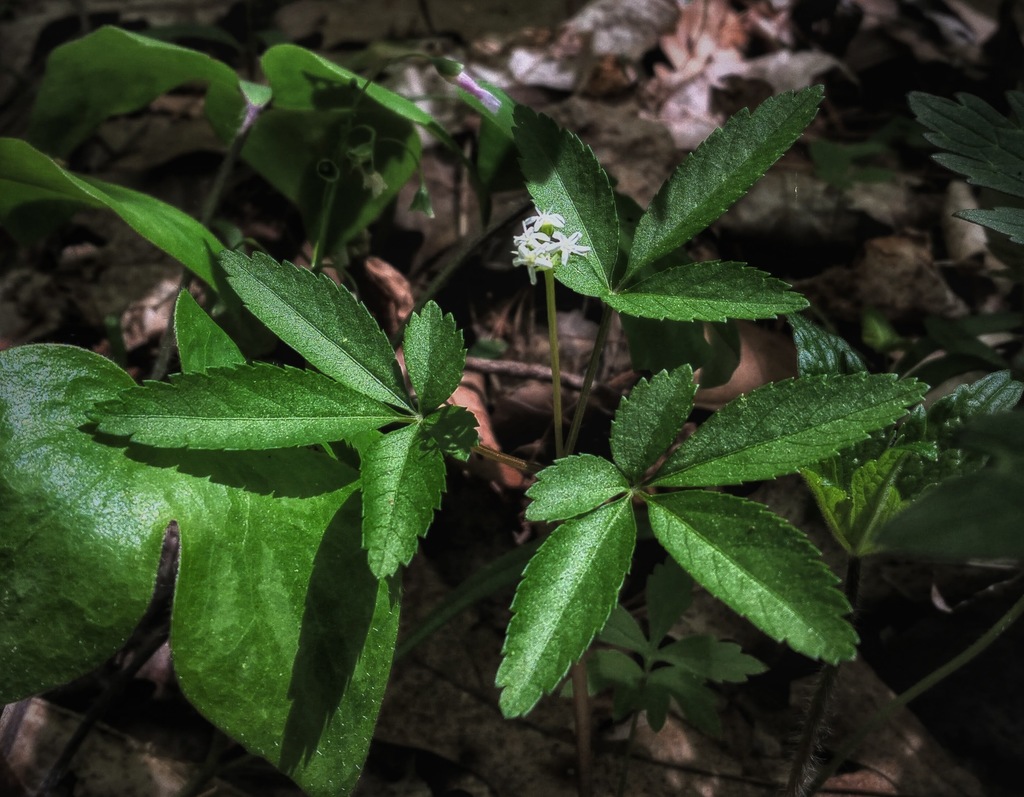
<point x="573" y="485"/>
<point x="241" y="407"/>
<point x="403" y="477"/>
<point x="81" y="526"/>
<point x="201" y="343"/>
<point x="568" y="590"/>
<point x="647" y="422"/>
<point x="434" y="355"/>
<point x="982" y="143"/>
<point x="564" y="177"/>
<point x="711" y="291"/>
<point x="719" y="172"/>
<point x="706" y="657"/>
<point x="759" y="565"/>
<point x="623" y="630"/>
<point x="35" y="192"/>
<point x="453" y="430"/>
<point x="323" y="322"/>
<point x="669" y="592"/>
<point x="822" y="352"/>
<point x="782" y="426"/>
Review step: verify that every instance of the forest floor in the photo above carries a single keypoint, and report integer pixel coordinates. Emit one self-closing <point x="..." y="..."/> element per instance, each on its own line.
<point x="857" y="217"/>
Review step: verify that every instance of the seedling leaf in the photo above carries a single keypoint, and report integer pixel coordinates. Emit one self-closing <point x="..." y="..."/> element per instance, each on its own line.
<point x="707" y="657"/>
<point x="669" y="594"/>
<point x="821" y="352"/>
<point x="981" y="143"/>
<point x="624" y="631"/>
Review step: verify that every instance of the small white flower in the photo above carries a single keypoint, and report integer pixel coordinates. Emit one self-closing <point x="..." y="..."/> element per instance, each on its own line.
<point x="541" y="220"/>
<point x="542" y="246"/>
<point x="567" y="246"/>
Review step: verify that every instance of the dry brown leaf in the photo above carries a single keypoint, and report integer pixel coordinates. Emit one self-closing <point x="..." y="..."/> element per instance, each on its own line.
<point x="393" y="295"/>
<point x="765" y="356"/>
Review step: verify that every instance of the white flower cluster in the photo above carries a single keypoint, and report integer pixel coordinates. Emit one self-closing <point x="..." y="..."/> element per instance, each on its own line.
<point x="543" y="245"/>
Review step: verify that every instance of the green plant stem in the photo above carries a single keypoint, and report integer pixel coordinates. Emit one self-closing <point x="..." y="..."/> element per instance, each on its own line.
<point x="802" y="769"/>
<point x="556" y="372"/>
<point x="883" y="715"/>
<point x="578" y="674"/>
<point x="588" y="378"/>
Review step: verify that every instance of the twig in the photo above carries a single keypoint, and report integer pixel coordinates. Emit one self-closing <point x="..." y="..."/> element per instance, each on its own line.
<point x="521" y="370"/>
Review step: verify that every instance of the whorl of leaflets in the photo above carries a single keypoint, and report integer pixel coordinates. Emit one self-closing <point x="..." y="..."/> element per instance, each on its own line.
<point x="543" y="245"/>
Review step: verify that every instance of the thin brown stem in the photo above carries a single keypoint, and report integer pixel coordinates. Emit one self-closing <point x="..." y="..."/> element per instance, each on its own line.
<point x="801" y="773"/>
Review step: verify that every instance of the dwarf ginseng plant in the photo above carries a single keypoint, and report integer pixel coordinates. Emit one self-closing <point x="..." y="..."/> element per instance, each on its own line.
<point x="301" y="493"/>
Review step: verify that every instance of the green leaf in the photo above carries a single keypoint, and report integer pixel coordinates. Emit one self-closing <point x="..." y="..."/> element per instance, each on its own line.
<point x="613" y="668"/>
<point x="759" y="565"/>
<point x="111" y="72"/>
<point x="977" y="516"/>
<point x="568" y="590"/>
<point x="706" y="657"/>
<point x="943" y="424"/>
<point x="573" y="485"/>
<point x="303" y="80"/>
<point x="36" y="195"/>
<point x="323" y="322"/>
<point x="403" y="477"/>
<point x="711" y="291"/>
<point x="201" y="343"/>
<point x="317" y="655"/>
<point x="695" y="700"/>
<point x="1008" y="221"/>
<point x="241" y="407"/>
<point x="81" y="525"/>
<point x="1000" y="434"/>
<point x="874" y="499"/>
<point x="820" y="352"/>
<point x="648" y="421"/>
<point x="669" y="594"/>
<point x="625" y="632"/>
<point x="434" y="355"/>
<point x="783" y="426"/>
<point x="719" y="172"/>
<point x="257" y="610"/>
<point x="563" y="176"/>
<point x="981" y="143"/>
<point x="453" y="430"/>
<point x="321" y="116"/>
